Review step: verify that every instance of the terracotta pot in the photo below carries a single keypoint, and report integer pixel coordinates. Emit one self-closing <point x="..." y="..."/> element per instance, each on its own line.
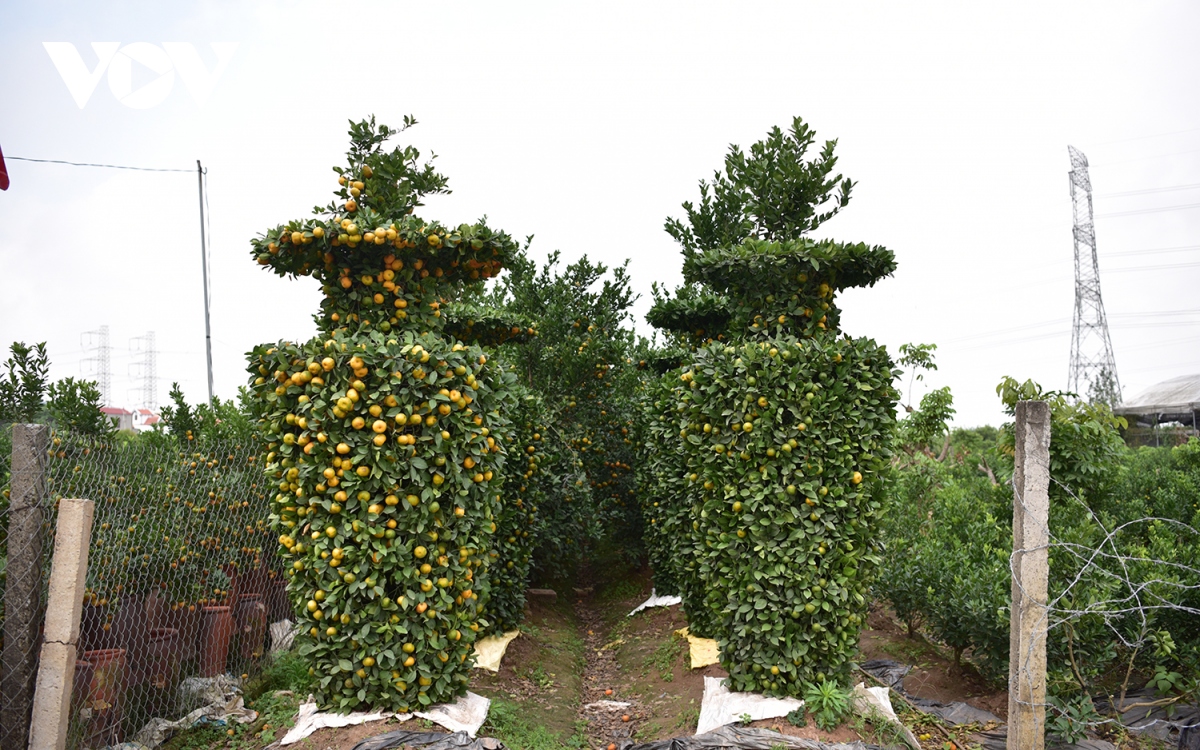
<point x="214" y="645"/>
<point x="161" y="665"/>
<point x="130" y="624"/>
<point x="252" y="625"/>
<point x="155" y="607"/>
<point x="190" y="624"/>
<point x="107" y="683"/>
<point x="83" y="682"/>
<point x="92" y="635"/>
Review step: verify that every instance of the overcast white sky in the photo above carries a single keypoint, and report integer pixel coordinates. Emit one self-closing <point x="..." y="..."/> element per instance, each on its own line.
<point x="587" y="124"/>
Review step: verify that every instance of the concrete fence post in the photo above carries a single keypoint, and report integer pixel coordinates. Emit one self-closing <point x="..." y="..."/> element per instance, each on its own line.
<point x="23" y="588"/>
<point x="1030" y="572"/>
<point x="56" y="668"/>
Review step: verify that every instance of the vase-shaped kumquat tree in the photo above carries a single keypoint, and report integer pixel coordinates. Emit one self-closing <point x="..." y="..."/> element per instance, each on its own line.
<point x="783" y="421"/>
<point x="386" y="437"/>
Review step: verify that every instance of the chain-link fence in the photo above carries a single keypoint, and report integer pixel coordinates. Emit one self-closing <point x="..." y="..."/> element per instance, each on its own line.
<point x="26" y="542"/>
<point x="182" y="580"/>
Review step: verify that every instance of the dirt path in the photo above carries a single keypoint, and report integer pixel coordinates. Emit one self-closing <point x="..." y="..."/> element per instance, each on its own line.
<point x="609" y="724"/>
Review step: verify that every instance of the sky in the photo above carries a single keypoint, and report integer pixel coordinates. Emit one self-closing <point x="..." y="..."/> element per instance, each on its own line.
<point x="586" y="126"/>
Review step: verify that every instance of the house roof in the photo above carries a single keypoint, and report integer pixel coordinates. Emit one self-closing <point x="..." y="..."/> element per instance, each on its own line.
<point x="1181" y="394"/>
<point x="115" y="411"/>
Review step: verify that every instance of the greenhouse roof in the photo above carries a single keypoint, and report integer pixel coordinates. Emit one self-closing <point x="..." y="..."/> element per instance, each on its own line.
<point x="1179" y="395"/>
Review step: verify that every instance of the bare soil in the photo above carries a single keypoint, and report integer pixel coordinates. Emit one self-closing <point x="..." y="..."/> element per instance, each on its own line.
<point x="933" y="676"/>
<point x="578" y="657"/>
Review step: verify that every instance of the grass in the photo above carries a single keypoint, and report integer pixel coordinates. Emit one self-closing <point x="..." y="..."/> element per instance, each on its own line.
<point x="664" y="657"/>
<point x="509" y="724"/>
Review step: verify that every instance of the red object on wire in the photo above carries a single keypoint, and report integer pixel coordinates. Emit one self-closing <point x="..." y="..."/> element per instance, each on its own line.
<point x="3" y="173"/>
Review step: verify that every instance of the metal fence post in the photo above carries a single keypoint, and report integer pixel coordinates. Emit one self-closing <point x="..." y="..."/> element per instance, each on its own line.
<point x="23" y="589"/>
<point x="56" y="668"/>
<point x="1030" y="571"/>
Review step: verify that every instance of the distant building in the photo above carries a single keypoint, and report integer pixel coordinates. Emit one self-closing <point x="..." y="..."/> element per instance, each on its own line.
<point x="144" y="419"/>
<point x="1165" y="413"/>
<point x="122" y="418"/>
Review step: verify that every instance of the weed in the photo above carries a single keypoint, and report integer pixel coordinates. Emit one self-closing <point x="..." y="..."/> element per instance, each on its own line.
<point x="287" y="671"/>
<point x="745" y="719"/>
<point x="663" y="659"/>
<point x="689" y="718"/>
<point x="507" y="723"/>
<point x="878" y="729"/>
<point x="538" y="676"/>
<point x="797" y="718"/>
<point x="1072" y="718"/>
<point x="533" y="631"/>
<point x="828" y="703"/>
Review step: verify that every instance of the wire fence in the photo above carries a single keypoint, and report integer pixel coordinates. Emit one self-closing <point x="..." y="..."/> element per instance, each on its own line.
<point x="1121" y="617"/>
<point x="182" y="579"/>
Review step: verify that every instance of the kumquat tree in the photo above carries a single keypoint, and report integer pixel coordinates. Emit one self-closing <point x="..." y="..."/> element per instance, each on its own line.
<point x="388" y="438"/>
<point x="780" y="423"/>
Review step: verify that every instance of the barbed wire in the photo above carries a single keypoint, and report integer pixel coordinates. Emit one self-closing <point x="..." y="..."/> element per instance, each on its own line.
<point x="1137" y="599"/>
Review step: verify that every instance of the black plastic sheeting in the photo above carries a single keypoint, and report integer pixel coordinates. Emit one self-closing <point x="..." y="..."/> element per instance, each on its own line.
<point x="743" y="738"/>
<point x="429" y="741"/>
<point x="997" y="739"/>
<point x="1164" y="723"/>
<point x="725" y="738"/>
<point x="1181" y="726"/>
<point x="891" y="673"/>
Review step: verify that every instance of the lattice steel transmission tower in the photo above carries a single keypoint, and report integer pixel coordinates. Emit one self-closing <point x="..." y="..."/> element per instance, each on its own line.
<point x="97" y="341"/>
<point x="145" y="368"/>
<point x="1093" y="370"/>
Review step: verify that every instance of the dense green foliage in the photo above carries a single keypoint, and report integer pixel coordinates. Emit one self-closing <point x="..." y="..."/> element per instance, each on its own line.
<point x="388" y="439"/>
<point x="581" y="364"/>
<point x="781" y="424"/>
<point x="1123" y="560"/>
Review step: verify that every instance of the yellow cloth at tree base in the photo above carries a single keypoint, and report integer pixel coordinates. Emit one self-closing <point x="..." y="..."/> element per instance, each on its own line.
<point x="702" y="650"/>
<point x="489" y="651"/>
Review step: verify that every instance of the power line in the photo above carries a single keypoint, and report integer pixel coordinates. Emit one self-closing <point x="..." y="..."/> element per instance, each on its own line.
<point x="1159" y="209"/>
<point x="1144" y="137"/>
<point x="1161" y="313"/>
<point x="1152" y="268"/>
<point x="1148" y="191"/>
<point x="85" y="164"/>
<point x="1151" y="251"/>
<point x="1143" y="158"/>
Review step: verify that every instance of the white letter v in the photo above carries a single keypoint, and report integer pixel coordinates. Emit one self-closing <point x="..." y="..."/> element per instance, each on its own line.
<point x="80" y="81"/>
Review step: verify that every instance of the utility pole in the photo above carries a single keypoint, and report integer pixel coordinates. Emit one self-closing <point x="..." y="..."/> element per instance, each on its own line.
<point x="97" y="341"/>
<point x="204" y="276"/>
<point x="1093" y="370"/>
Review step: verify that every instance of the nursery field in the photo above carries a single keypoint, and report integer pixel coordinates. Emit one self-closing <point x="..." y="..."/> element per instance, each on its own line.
<point x="475" y="444"/>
